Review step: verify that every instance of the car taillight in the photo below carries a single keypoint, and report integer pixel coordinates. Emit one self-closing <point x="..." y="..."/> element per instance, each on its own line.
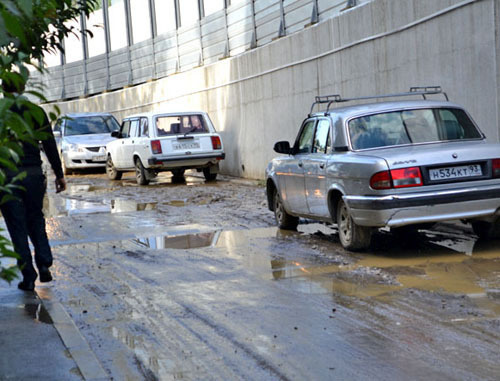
<point x="216" y="143"/>
<point x="399" y="178"/>
<point x="496" y="167"/>
<point x="156" y="146"/>
<point x="381" y="180"/>
<point x="406" y="177"/>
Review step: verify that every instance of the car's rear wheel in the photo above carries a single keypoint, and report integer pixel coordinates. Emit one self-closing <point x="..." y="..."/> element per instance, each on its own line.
<point x="352" y="236"/>
<point x="209" y="176"/>
<point x="283" y="219"/>
<point x="140" y="173"/>
<point x="486" y="230"/>
<point x="111" y="171"/>
<point x="177" y="173"/>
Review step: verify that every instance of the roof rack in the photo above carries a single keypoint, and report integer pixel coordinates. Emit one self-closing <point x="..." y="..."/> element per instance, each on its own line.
<point x="416" y="90"/>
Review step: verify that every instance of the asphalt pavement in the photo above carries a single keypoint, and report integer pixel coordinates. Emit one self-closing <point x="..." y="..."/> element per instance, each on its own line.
<point x="39" y="340"/>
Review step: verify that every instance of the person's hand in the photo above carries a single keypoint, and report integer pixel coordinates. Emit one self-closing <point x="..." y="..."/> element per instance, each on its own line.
<point x="60" y="185"/>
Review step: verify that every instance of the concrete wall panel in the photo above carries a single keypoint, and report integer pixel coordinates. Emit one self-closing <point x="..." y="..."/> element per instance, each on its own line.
<point x="262" y="96"/>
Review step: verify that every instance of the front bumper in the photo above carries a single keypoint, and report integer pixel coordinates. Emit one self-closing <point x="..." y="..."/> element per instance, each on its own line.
<point x="414" y="208"/>
<point x="76" y="160"/>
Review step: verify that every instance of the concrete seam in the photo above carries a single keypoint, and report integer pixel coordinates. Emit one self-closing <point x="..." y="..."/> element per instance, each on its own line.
<point x="85" y="359"/>
<point x="303" y="61"/>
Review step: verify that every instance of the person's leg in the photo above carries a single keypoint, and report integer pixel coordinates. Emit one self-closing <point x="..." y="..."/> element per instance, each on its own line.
<point x="35" y="187"/>
<point x="14" y="214"/>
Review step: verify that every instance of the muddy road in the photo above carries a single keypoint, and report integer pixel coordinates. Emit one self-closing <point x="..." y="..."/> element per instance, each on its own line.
<point x="193" y="281"/>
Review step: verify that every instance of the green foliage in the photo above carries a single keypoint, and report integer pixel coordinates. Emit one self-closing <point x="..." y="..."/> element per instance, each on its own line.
<point x="28" y="30"/>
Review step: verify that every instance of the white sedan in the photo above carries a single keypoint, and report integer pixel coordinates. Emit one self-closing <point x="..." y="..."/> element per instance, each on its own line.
<point x="153" y="142"/>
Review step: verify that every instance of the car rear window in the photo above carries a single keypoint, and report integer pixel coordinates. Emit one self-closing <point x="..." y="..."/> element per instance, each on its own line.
<point x="180" y="124"/>
<point x="91" y="125"/>
<point x="411" y="126"/>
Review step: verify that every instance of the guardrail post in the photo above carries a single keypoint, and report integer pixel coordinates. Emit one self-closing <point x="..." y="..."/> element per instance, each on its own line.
<point x="130" y="38"/>
<point x="85" y="49"/>
<point x="253" y="41"/>
<point x="282" y="30"/>
<point x="315" y="13"/>
<point x="154" y="33"/>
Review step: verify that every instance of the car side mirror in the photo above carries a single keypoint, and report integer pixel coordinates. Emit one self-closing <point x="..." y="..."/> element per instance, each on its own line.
<point x="282" y="147"/>
<point x="115" y="134"/>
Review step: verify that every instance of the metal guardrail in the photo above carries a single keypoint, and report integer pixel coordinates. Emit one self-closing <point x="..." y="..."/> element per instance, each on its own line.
<point x="240" y="26"/>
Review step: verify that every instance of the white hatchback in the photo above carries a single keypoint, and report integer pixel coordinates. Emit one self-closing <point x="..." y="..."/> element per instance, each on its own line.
<point x="153" y="142"/>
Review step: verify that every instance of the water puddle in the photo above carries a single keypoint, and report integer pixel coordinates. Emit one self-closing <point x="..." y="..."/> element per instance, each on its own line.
<point x="437" y="263"/>
<point x="37" y="312"/>
<point x="64" y="206"/>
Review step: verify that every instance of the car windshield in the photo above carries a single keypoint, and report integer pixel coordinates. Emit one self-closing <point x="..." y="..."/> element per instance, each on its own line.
<point x="411" y="126"/>
<point x="181" y="124"/>
<point x="91" y="125"/>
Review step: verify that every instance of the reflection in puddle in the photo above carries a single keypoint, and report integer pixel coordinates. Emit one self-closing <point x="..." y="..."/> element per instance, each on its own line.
<point x="186" y="241"/>
<point x="37" y="312"/>
<point x="176" y="203"/>
<point x="62" y="206"/>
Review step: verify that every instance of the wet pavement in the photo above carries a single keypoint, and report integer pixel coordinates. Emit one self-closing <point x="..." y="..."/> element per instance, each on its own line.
<point x="193" y="281"/>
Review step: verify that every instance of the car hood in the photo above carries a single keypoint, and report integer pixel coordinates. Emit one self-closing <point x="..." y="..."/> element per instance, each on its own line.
<point x="89" y="139"/>
<point x="449" y="153"/>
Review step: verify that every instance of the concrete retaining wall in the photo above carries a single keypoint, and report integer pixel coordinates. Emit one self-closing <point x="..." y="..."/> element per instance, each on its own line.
<point x="382" y="46"/>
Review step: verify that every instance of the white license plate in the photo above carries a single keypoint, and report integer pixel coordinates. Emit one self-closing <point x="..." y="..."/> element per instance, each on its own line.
<point x="455" y="172"/>
<point x="185" y="145"/>
<point x="99" y="158"/>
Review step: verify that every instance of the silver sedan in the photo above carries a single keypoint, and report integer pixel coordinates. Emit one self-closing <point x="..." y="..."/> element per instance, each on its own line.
<point x="387" y="164"/>
<point x="82" y="139"/>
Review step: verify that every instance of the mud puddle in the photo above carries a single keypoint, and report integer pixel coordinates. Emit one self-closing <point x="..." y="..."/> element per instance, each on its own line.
<point x="453" y="265"/>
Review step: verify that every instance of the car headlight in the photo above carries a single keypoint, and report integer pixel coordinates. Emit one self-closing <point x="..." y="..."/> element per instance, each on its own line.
<point x="74" y="148"/>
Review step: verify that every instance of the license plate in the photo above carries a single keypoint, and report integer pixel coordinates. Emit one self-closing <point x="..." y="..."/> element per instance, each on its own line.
<point x="471" y="170"/>
<point x="99" y="158"/>
<point x="185" y="145"/>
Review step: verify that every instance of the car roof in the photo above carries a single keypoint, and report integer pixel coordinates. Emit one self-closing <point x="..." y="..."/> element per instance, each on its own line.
<point x="151" y="114"/>
<point x="375" y="108"/>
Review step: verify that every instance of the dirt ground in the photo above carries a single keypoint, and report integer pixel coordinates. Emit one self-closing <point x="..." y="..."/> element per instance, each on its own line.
<point x="193" y="281"/>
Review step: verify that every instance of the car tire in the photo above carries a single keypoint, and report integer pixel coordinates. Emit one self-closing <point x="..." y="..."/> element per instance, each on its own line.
<point x="352" y="236"/>
<point x="178" y="173"/>
<point x="486" y="230"/>
<point x="66" y="170"/>
<point x="283" y="219"/>
<point x="209" y="176"/>
<point x="140" y="173"/>
<point x="111" y="171"/>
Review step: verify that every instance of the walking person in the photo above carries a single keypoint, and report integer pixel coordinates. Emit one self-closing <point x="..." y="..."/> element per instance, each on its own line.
<point x="23" y="213"/>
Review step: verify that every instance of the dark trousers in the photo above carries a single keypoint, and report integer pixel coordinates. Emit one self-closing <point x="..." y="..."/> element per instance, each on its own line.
<point x="24" y="217"/>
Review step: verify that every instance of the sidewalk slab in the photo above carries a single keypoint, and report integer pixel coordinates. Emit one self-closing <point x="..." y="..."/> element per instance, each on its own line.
<point x="30" y="346"/>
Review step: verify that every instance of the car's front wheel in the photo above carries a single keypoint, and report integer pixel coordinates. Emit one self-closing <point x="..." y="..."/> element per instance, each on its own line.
<point x="283" y="219"/>
<point x="111" y="171"/>
<point x="66" y="170"/>
<point x="352" y="236"/>
<point x="140" y="173"/>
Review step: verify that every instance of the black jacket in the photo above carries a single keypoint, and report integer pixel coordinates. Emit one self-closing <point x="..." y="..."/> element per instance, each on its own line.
<point x="32" y="156"/>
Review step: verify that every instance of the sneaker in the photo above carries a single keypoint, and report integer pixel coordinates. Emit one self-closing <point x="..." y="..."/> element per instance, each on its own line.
<point x="26" y="285"/>
<point x="45" y="275"/>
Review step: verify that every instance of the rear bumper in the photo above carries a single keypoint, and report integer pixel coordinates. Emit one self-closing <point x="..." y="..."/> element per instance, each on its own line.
<point x="413" y="208"/>
<point x="185" y="161"/>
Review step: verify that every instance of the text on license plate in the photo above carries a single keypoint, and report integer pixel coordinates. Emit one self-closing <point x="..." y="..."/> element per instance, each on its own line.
<point x="185" y="145"/>
<point x="99" y="158"/>
<point x="455" y="172"/>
